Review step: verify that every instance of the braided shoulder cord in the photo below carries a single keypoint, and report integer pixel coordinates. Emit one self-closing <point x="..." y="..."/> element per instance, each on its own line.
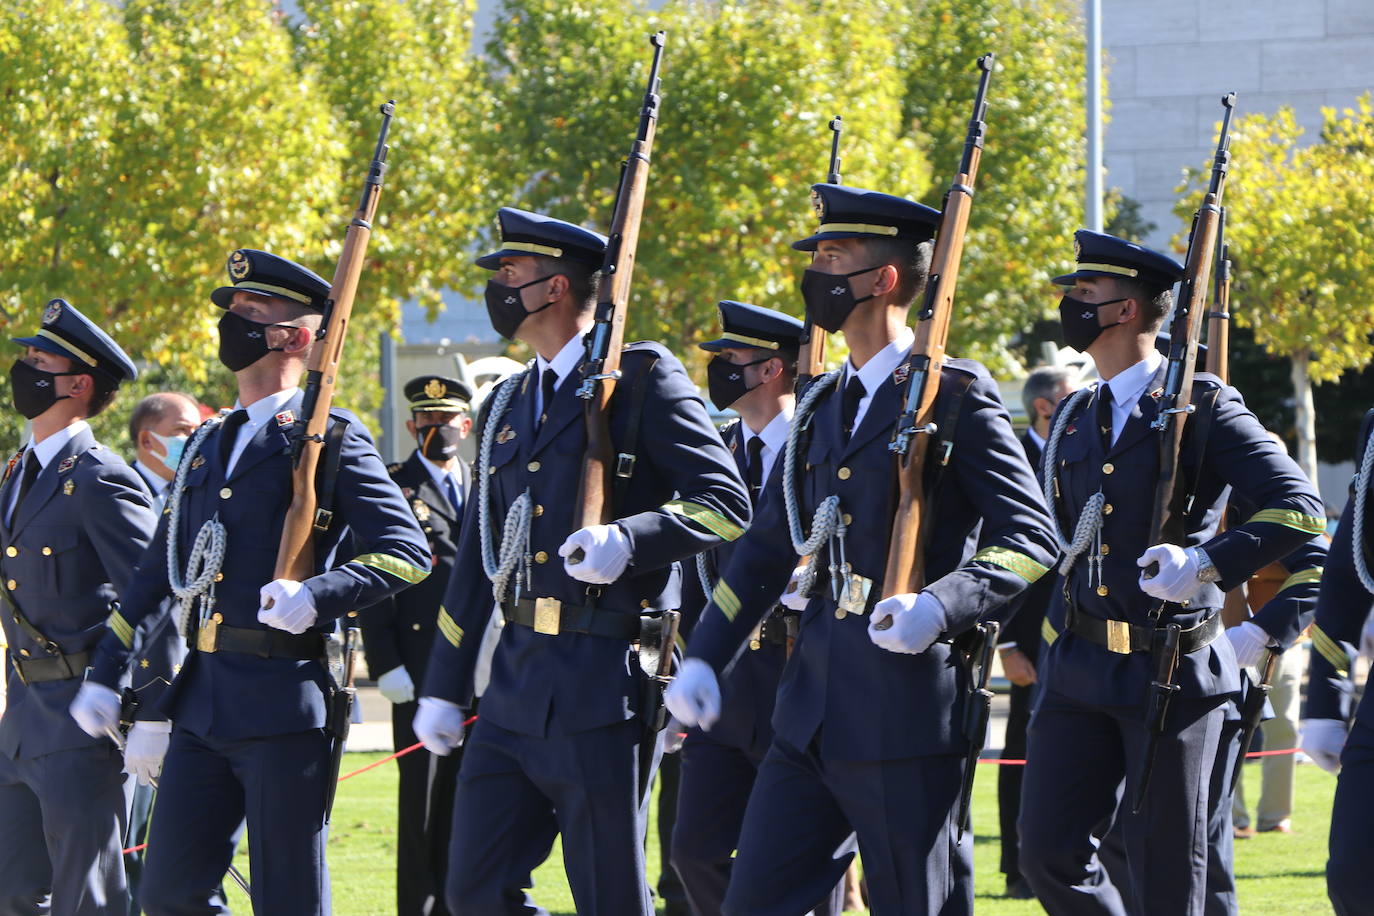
<point x="1362" y="480"/>
<point x="826" y="521"/>
<point x="516" y="529"/>
<point x="1090" y="519"/>
<point x="207" y="550"/>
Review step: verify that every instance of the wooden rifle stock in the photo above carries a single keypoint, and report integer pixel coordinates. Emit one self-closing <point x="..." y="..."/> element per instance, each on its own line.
<point x="295" y="556"/>
<point x="811" y="356"/>
<point x="911" y="436"/>
<point x="1219" y="318"/>
<point x="601" y="371"/>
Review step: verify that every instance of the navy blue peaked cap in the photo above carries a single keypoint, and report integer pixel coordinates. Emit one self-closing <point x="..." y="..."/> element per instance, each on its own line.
<point x="269" y="275"/>
<point x="436" y="392"/>
<point x="69" y="333"/>
<point x="525" y="234"/>
<point x="745" y="325"/>
<point x="856" y="213"/>
<point x="1102" y="255"/>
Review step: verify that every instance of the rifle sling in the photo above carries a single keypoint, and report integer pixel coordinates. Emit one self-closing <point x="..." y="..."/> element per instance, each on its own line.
<point x="1200" y="425"/>
<point x="625" y="459"/>
<point x="944" y="448"/>
<point x="329" y="474"/>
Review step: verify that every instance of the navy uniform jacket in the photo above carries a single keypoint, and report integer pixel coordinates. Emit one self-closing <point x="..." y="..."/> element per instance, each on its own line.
<point x="1293" y="606"/>
<point x="159" y="650"/>
<point x="1027" y="625"/>
<point x="1342" y="608"/>
<point x="399" y="630"/>
<point x="1238" y="453"/>
<point x="71" y="545"/>
<point x="866" y="702"/>
<point x="232" y="695"/>
<point x="749" y="690"/>
<point x="685" y="496"/>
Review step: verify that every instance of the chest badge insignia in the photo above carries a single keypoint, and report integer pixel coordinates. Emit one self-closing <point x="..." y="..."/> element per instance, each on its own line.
<point x="506" y="434"/>
<point x="286" y="418"/>
<point x="66" y="464"/>
<point x="68" y="487"/>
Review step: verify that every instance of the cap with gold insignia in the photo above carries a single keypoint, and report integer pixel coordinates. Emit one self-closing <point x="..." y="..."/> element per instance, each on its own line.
<point x="1102" y="255"/>
<point x="435" y="392"/>
<point x="856" y="213"/>
<point x="745" y="325"/>
<point x="524" y="234"/>
<point x="67" y="332"/>
<point x="267" y="274"/>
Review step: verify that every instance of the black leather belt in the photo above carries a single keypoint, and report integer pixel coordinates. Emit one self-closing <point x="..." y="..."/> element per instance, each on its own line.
<point x="50" y="667"/>
<point x="216" y="637"/>
<point x="1124" y="638"/>
<point x="774" y="630"/>
<point x="551" y="617"/>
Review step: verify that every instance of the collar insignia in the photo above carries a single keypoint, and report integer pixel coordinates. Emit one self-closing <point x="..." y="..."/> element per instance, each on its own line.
<point x="1157" y="393"/>
<point x="66" y="464"/>
<point x="197" y="462"/>
<point x="1071" y="430"/>
<point x="286" y="418"/>
<point x="901" y="373"/>
<point x="506" y="434"/>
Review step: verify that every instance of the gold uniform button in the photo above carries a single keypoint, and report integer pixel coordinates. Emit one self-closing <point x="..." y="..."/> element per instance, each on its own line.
<point x="11" y="551"/>
<point x="219" y="577"/>
<point x="352" y="613"/>
<point x="847" y="519"/>
<point x="754" y="644"/>
<point x="538" y="511"/>
<point x="415" y="626"/>
<point x="843" y="473"/>
<point x="1108" y="468"/>
<point x="1107" y="509"/>
<point x="225" y="493"/>
<point x="47" y="551"/>
<point x="11" y="585"/>
<point x="533" y="466"/>
<point x="1102" y="590"/>
<point x="491" y="472"/>
<point x="541" y="557"/>
<point x="1106" y="549"/>
<point x="840" y="613"/>
<point x="644" y="603"/>
<point x="217" y="617"/>
<point x="24" y="652"/>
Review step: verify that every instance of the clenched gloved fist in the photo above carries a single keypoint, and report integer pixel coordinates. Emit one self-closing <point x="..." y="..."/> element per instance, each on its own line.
<point x="1249" y="640"/>
<point x="917" y="621"/>
<point x="144" y="750"/>
<point x="439" y="725"/>
<point x="96" y="709"/>
<point x="396" y="685"/>
<point x="287" y="605"/>
<point x="1177" y="577"/>
<point x="693" y="698"/>
<point x="1322" y="740"/>
<point x="605" y="550"/>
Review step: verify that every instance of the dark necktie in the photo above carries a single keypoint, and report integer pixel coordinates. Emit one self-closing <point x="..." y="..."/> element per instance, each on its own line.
<point x="1104" y="415"/>
<point x="26" y="479"/>
<point x="849" y="409"/>
<point x="754" y="470"/>
<point x="229" y="433"/>
<point x="452" y="492"/>
<point x="547" y="383"/>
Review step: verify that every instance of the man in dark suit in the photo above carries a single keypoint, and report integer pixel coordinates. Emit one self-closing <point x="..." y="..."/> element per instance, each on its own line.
<point x="73" y="520"/>
<point x="867" y="717"/>
<point x="250" y="705"/>
<point x="399" y="633"/>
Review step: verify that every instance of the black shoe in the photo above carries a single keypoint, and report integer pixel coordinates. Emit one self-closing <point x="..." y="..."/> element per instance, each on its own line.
<point x="1018" y="889"/>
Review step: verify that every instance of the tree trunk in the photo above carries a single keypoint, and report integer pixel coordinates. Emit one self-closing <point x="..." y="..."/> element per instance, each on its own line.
<point x="1305" y="416"/>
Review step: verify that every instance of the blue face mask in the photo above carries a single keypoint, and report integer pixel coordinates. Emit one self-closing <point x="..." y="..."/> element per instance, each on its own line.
<point x="174" y="445"/>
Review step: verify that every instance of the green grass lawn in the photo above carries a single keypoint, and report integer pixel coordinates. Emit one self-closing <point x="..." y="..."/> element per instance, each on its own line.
<point x="1276" y="874"/>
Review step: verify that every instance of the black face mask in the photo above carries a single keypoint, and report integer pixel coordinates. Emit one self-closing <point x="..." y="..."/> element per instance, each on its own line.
<point x="506" y="307"/>
<point x="439" y="443"/>
<point x="725" y="380"/>
<point x="830" y="298"/>
<point x="34" y="390"/>
<point x="243" y="342"/>
<point x="1079" y="321"/>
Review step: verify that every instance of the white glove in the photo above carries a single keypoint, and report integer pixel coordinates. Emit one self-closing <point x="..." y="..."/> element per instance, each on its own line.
<point x="671" y="738"/>
<point x="96" y="709"/>
<point x="693" y="698"/>
<point x="1322" y="740"/>
<point x="1177" y="577"/>
<point x="1367" y="638"/>
<point x="439" y="725"/>
<point x="396" y="685"/>
<point x="144" y="750"/>
<point x="791" y="596"/>
<point x="606" y="550"/>
<point x="287" y="605"/>
<point x="1249" y="640"/>
<point x="917" y="621"/>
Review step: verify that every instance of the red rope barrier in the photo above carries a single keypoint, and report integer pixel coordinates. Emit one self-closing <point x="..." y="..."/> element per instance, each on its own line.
<point x="1012" y="762"/>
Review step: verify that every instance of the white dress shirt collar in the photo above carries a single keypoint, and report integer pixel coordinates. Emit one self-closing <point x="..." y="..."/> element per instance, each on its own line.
<point x="774" y="437"/>
<point x="877" y="369"/>
<point x="1128" y="386"/>
<point x="47" y="450"/>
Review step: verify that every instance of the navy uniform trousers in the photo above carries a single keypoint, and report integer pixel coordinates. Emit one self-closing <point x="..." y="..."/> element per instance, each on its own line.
<point x="1086" y="737"/>
<point x="249" y="739"/>
<point x="866" y="740"/>
<point x="557" y="744"/>
<point x="69" y="547"/>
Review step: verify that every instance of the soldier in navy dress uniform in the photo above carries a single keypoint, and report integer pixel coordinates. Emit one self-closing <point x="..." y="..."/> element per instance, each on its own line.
<point x="1337" y="733"/>
<point x="73" y="520"/>
<point x="558" y="738"/>
<point x="1102" y="460"/>
<point x="249" y="706"/>
<point x="753" y="372"/>
<point x="867" y="724"/>
<point x="399" y="631"/>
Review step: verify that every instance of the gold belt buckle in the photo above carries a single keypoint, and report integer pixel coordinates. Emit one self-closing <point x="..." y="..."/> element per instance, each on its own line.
<point x="1119" y="637"/>
<point x="547" y="612"/>
<point x="207" y="638"/>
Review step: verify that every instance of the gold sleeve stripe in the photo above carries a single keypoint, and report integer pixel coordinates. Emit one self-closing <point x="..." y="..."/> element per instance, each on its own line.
<point x="1289" y="518"/>
<point x="725" y="598"/>
<point x="706" y="518"/>
<point x="121" y="628"/>
<point x="1048" y="633"/>
<point x="1331" y="651"/>
<point x="1312" y="576"/>
<point x="1018" y="563"/>
<point x="450" y="630"/>
<point x="389" y="564"/>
